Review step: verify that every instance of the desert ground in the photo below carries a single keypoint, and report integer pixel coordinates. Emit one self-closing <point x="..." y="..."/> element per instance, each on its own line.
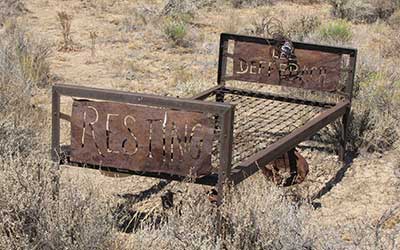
<point x="170" y="48"/>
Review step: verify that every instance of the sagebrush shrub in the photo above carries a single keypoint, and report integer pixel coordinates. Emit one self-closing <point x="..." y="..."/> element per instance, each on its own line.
<point x="33" y="60"/>
<point x="10" y="9"/>
<point x="102" y="5"/>
<point x="302" y="27"/>
<point x="363" y="11"/>
<point x="37" y="209"/>
<point x="23" y="60"/>
<point x="394" y="20"/>
<point x="378" y="97"/>
<point x="39" y="212"/>
<point x="254" y="3"/>
<point x="375" y="110"/>
<point x="185" y="7"/>
<point x="16" y="140"/>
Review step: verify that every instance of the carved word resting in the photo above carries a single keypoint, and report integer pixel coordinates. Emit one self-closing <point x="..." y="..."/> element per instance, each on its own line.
<point x="141" y="138"/>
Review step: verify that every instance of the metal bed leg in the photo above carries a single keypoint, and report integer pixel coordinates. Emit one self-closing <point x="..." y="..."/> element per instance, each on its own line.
<point x="220" y="96"/>
<point x="293" y="167"/>
<point x="344" y="134"/>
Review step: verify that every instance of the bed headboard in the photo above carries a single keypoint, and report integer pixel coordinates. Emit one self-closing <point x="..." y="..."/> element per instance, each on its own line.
<point x="312" y="67"/>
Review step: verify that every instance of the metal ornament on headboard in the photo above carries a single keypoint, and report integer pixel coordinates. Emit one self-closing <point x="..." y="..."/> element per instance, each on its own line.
<point x="284" y="45"/>
<point x="279" y="61"/>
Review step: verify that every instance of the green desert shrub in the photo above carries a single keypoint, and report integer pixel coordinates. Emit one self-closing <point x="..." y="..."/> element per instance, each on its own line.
<point x="337" y="31"/>
<point x="176" y="31"/>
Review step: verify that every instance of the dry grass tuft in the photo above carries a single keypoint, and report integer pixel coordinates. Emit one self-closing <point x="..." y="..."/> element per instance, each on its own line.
<point x="303" y="26"/>
<point x="65" y="22"/>
<point x="255" y="220"/>
<point x="93" y="36"/>
<point x="39" y="212"/>
<point x="297" y="28"/>
<point x="99" y="5"/>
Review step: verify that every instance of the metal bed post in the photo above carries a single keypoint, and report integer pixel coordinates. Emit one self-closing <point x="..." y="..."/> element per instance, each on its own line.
<point x="55" y="129"/>
<point x="346" y="117"/>
<point x="226" y="139"/>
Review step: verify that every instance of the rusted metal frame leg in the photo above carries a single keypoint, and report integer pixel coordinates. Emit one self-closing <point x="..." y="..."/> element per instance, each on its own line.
<point x="226" y="139"/>
<point x="293" y="167"/>
<point x="55" y="138"/>
<point x="346" y="115"/>
<point x="343" y="135"/>
<point x="219" y="96"/>
<point x="55" y="129"/>
<point x="224" y="172"/>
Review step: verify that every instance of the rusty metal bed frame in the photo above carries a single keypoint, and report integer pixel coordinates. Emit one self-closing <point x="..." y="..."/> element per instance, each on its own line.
<point x="251" y="128"/>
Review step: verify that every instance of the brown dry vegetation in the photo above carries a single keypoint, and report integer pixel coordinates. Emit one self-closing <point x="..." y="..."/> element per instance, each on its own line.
<point x="170" y="48"/>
